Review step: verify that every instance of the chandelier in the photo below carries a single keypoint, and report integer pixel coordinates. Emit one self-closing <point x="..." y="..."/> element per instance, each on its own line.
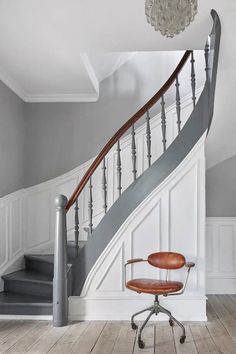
<point x="170" y="17"/>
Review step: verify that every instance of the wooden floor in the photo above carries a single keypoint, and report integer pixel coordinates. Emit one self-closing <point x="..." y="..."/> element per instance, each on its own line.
<point x="218" y="335"/>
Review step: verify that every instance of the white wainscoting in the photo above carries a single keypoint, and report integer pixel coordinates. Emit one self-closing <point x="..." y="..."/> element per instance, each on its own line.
<point x="171" y="218"/>
<point x="221" y="255"/>
<point x="27" y="216"/>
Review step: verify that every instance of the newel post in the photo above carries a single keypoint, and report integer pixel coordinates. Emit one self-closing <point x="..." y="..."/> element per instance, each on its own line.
<point x="60" y="298"/>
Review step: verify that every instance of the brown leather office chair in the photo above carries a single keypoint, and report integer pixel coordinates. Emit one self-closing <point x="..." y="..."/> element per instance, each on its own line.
<point x="162" y="260"/>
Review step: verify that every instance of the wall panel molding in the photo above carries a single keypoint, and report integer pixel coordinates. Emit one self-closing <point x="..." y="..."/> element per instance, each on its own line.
<point x="148" y="229"/>
<point x="221" y="255"/>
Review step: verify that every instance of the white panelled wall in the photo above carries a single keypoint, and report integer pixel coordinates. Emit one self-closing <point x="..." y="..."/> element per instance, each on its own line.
<point x="171" y="218"/>
<point x="221" y="255"/>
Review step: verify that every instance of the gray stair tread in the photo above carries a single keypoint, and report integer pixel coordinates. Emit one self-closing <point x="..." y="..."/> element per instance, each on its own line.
<point x="30" y="276"/>
<point x="12" y="298"/>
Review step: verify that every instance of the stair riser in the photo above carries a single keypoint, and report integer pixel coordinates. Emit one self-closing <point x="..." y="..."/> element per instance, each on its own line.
<point x="16" y="309"/>
<point x="39" y="266"/>
<point x="29" y="288"/>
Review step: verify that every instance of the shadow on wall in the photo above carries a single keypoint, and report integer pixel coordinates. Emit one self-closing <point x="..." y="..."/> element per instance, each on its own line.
<point x="221" y="189"/>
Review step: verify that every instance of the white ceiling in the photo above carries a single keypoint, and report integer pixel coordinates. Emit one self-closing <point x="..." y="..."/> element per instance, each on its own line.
<point x="49" y="48"/>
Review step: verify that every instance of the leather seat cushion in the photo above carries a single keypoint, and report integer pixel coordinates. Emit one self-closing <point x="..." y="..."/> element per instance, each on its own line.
<point x="154" y="286"/>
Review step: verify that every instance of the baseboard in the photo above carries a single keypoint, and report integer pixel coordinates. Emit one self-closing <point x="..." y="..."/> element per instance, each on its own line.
<point x="185" y="309"/>
<point x="26" y="317"/>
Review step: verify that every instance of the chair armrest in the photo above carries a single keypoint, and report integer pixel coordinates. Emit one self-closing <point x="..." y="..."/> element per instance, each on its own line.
<point x="189" y="264"/>
<point x="132" y="261"/>
<point x="135" y="260"/>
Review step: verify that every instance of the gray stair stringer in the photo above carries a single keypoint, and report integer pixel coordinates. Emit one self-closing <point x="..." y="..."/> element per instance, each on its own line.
<point x="194" y="128"/>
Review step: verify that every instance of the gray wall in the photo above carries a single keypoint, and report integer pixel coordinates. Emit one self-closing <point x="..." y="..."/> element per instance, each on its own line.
<point x="12" y="136"/>
<point x="61" y="136"/>
<point x="221" y="189"/>
<point x="41" y="141"/>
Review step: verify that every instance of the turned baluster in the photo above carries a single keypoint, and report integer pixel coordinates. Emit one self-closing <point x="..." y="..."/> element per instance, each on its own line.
<point x="207" y="52"/>
<point x="133" y="152"/>
<point x="76" y="223"/>
<point x="163" y="122"/>
<point x="90" y="207"/>
<point x="119" y="187"/>
<point x="148" y="139"/>
<point x="193" y="80"/>
<point x="178" y="104"/>
<point x="104" y="185"/>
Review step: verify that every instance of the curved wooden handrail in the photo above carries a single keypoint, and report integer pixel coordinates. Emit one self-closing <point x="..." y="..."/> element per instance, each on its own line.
<point x="124" y="128"/>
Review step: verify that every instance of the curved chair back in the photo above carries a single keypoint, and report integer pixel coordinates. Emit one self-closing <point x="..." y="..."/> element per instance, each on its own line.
<point x="167" y="260"/>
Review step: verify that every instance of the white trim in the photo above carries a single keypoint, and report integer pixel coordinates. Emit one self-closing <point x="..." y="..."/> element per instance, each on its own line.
<point x="26" y="317"/>
<point x="86" y="61"/>
<point x="221" y="264"/>
<point x="13" y="85"/>
<point x="27" y="97"/>
<point x="93" y="97"/>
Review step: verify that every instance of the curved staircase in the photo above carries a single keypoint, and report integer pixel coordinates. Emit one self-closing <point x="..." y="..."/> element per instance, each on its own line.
<point x="30" y="291"/>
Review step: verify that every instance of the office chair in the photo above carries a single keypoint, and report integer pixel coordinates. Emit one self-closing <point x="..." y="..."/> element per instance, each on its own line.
<point x="156" y="287"/>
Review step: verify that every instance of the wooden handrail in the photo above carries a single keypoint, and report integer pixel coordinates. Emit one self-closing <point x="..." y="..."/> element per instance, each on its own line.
<point x="124" y="128"/>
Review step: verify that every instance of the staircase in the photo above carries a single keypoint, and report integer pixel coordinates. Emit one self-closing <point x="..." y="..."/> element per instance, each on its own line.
<point x="29" y="291"/>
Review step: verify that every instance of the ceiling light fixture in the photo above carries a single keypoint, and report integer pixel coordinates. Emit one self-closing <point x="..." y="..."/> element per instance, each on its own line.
<point x="170" y="17"/>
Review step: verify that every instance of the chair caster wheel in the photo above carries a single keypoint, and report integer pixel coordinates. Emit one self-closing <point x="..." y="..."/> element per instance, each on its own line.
<point x="141" y="344"/>
<point x="182" y="339"/>
<point x="171" y="323"/>
<point x="134" y="326"/>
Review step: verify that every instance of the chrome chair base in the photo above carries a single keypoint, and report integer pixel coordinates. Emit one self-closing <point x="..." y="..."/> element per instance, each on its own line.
<point x="155" y="309"/>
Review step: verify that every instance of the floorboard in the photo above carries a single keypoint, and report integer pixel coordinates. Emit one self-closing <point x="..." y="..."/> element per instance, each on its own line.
<point x="106" y="341"/>
<point x="216" y="336"/>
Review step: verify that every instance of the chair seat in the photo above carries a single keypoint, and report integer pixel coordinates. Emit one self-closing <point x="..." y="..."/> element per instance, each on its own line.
<point x="154" y="286"/>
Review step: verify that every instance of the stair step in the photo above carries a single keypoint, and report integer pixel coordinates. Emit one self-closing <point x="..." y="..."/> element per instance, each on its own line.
<point x="29" y="291"/>
<point x="40" y="263"/>
<point x="28" y="282"/>
<point x="44" y="263"/>
<point x="21" y="304"/>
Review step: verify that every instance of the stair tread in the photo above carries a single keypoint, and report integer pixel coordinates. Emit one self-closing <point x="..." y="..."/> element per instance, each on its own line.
<point x="30" y="276"/>
<point x="14" y="298"/>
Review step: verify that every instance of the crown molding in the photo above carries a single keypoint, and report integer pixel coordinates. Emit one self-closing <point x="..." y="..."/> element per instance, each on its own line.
<point x="62" y="98"/>
<point x="31" y="98"/>
<point x="87" y="64"/>
<point x="13" y="85"/>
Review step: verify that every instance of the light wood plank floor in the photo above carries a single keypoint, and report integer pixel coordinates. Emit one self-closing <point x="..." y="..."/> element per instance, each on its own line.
<point x="218" y="335"/>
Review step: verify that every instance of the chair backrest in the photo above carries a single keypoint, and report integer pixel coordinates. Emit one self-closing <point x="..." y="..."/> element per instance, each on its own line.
<point x="167" y="260"/>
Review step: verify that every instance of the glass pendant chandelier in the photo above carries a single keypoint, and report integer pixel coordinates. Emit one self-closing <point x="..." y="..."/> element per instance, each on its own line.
<point x="170" y="17"/>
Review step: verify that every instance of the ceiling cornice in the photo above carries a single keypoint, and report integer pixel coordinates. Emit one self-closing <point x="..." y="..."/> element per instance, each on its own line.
<point x="74" y="97"/>
<point x="13" y="85"/>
